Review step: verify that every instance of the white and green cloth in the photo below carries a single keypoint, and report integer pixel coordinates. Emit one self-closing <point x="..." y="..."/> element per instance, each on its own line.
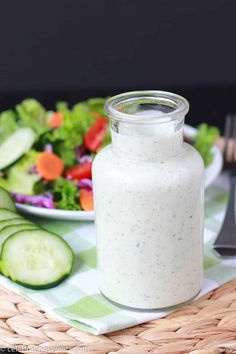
<point x="77" y="300"/>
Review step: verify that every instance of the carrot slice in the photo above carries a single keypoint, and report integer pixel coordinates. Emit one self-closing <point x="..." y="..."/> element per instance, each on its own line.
<point x="55" y="120"/>
<point x="49" y="165"/>
<point x="86" y="199"/>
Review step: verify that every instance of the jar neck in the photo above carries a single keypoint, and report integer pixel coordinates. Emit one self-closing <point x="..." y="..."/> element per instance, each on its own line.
<point x="154" y="142"/>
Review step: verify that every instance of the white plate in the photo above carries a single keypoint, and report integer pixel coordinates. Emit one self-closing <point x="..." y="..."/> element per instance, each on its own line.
<point x="56" y="213"/>
<point x="211" y="173"/>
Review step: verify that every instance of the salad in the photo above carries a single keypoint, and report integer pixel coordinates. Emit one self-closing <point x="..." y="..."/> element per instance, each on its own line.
<point x="46" y="156"/>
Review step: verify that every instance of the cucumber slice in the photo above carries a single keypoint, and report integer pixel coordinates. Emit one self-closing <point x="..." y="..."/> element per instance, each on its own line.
<point x="4" y="223"/>
<point x="6" y="200"/>
<point x="6" y="214"/>
<point x="36" y="258"/>
<point x="11" y="229"/>
<point x="15" y="146"/>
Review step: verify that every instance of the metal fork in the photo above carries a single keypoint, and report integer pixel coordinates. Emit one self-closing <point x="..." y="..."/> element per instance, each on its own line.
<point x="225" y="243"/>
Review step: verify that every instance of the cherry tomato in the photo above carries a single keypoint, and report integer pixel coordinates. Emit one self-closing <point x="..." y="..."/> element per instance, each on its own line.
<point x="95" y="135"/>
<point x="98" y="116"/>
<point x="83" y="170"/>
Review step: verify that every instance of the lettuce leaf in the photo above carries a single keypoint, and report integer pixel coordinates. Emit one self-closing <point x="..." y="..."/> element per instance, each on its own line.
<point x="62" y="106"/>
<point x="204" y="141"/>
<point x="66" y="194"/>
<point x="97" y="105"/>
<point x="32" y="114"/>
<point x="68" y="155"/>
<point x="75" y="123"/>
<point x="8" y="124"/>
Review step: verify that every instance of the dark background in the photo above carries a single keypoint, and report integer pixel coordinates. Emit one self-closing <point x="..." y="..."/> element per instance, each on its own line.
<point x="74" y="49"/>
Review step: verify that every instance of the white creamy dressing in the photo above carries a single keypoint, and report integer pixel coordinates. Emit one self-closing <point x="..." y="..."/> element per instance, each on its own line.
<point x="148" y="190"/>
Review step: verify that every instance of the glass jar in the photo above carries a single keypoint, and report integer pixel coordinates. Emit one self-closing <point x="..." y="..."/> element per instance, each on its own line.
<point x="149" y="202"/>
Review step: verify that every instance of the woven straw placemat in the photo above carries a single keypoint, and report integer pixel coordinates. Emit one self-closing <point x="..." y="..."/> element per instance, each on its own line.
<point x="206" y="326"/>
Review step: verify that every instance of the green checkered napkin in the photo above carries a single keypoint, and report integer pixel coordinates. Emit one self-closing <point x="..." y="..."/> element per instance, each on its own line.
<point x="77" y="300"/>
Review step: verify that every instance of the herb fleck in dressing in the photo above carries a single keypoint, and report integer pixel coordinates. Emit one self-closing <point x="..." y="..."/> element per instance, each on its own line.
<point x="148" y="189"/>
